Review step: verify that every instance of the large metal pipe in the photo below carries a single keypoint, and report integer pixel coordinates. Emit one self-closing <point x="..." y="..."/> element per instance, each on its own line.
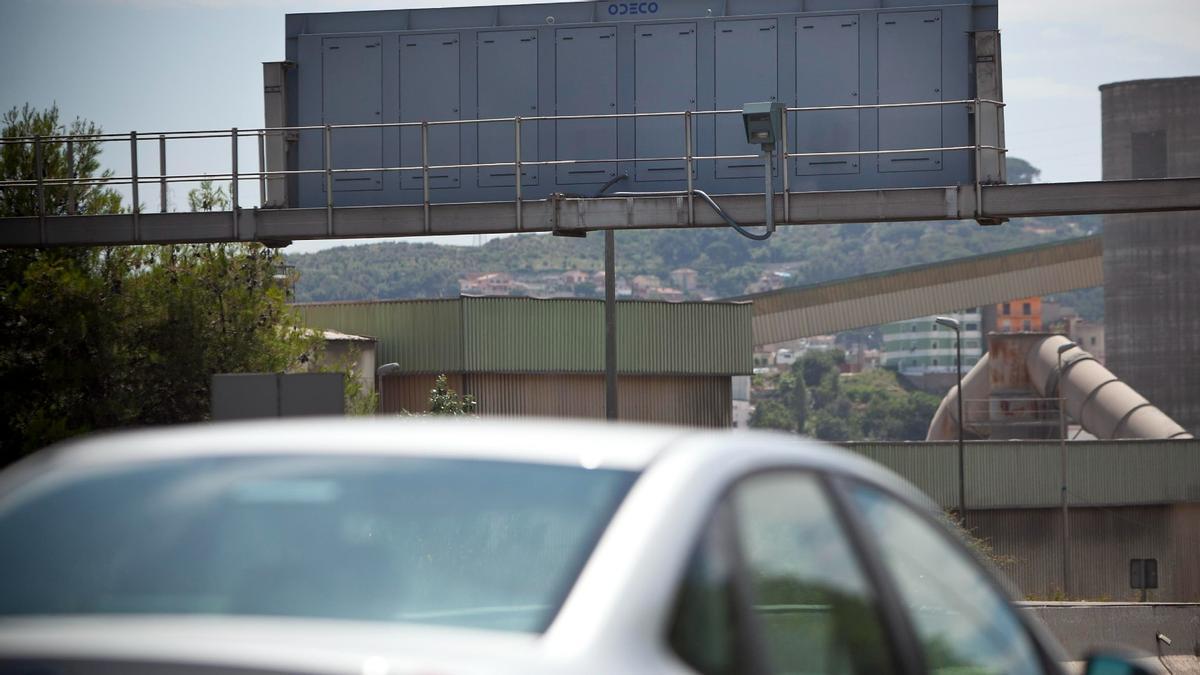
<point x="975" y="384"/>
<point x="1102" y="404"/>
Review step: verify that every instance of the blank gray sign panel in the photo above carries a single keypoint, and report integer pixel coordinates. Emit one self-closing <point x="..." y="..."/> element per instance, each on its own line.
<point x="910" y="70"/>
<point x="352" y="71"/>
<point x="826" y="74"/>
<point x="665" y="81"/>
<point x="508" y="87"/>
<point x="429" y="84"/>
<point x="586" y="84"/>
<point x="747" y="64"/>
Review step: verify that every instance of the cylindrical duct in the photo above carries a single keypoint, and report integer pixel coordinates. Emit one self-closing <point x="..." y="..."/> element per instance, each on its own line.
<point x="1102" y="404"/>
<point x="1151" y="274"/>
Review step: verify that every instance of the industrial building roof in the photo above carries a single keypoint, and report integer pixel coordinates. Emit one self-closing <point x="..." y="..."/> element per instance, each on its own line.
<point x="527" y="335"/>
<point x="923" y="290"/>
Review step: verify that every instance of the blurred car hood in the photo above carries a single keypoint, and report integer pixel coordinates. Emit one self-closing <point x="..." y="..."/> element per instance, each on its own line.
<point x="207" y="644"/>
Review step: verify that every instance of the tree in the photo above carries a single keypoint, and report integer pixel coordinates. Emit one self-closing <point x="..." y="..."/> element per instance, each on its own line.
<point x="445" y="401"/>
<point x="206" y="198"/>
<point x="123" y="336"/>
<point x="19" y="162"/>
<point x="771" y="414"/>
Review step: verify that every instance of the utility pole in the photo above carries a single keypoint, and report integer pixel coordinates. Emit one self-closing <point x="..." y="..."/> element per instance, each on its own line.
<point x="610" y="326"/>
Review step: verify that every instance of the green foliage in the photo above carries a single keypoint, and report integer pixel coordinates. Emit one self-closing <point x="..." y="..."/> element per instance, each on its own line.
<point x="727" y="263"/>
<point x="815" y="398"/>
<point x="771" y="414"/>
<point x="1020" y="171"/>
<point x="124" y="336"/>
<point x="19" y="162"/>
<point x="445" y="401"/>
<point x="208" y="198"/>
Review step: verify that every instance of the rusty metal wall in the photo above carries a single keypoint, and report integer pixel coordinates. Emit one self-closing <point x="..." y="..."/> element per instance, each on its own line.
<point x="1103" y="540"/>
<point x="702" y="401"/>
<point x="410" y="392"/>
<point x="923" y="290"/>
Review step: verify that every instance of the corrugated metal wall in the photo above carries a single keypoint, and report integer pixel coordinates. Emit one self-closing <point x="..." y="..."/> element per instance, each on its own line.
<point x="1128" y="499"/>
<point x="420" y="335"/>
<point x="1002" y="474"/>
<point x="511" y="335"/>
<point x="1103" y="540"/>
<point x="703" y="401"/>
<point x="923" y="290"/>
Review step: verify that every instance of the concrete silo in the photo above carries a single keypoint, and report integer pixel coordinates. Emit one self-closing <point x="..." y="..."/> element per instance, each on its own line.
<point x="1151" y="129"/>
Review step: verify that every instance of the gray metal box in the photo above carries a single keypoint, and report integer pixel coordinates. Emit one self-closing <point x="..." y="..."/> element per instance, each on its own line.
<point x="255" y="395"/>
<point x="604" y="57"/>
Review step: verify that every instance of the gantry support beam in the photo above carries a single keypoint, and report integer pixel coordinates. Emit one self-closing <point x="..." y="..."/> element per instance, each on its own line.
<point x="576" y="215"/>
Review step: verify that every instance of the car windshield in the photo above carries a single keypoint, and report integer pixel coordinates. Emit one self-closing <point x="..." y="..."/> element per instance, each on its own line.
<point x="482" y="544"/>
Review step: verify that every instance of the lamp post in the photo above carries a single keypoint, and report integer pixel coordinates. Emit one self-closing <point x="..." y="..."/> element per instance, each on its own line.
<point x="380" y="372"/>
<point x="954" y="325"/>
<point x="1062" y="451"/>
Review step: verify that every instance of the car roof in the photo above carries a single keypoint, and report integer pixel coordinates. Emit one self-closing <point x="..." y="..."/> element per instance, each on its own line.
<point x="545" y="441"/>
<point x="589" y="444"/>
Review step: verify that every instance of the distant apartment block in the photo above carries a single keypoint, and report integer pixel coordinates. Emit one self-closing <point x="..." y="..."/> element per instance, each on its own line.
<point x="1019" y="316"/>
<point x="918" y="347"/>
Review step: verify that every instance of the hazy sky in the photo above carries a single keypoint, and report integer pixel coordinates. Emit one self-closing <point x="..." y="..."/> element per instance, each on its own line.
<point x="157" y="65"/>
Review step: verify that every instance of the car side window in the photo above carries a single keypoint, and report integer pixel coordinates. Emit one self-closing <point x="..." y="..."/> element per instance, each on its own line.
<point x="801" y="604"/>
<point x="963" y="624"/>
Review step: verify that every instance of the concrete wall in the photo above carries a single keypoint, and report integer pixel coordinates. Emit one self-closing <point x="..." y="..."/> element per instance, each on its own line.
<point x="1151" y="279"/>
<point x="1081" y="628"/>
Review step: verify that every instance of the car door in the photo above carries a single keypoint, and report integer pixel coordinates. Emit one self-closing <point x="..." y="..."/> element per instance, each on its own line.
<point x="961" y="620"/>
<point x="799" y="573"/>
<point x="776" y="585"/>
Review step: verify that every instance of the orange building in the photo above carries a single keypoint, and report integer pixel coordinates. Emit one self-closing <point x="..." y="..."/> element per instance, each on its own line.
<point x="1021" y="315"/>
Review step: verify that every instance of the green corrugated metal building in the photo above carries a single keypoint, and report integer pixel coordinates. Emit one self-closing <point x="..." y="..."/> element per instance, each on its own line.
<point x="525" y="356"/>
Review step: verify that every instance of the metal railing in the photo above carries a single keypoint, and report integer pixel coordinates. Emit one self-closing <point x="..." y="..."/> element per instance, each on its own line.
<point x="1012" y="411"/>
<point x="689" y="159"/>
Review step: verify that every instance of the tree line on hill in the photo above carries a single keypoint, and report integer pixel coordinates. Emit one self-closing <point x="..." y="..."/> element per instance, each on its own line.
<point x="816" y="399"/>
<point x="727" y="263"/>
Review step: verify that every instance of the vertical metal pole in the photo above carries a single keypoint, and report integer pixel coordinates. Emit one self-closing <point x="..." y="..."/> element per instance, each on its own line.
<point x="328" y="180"/>
<point x="425" y="171"/>
<point x="133" y="173"/>
<point x="1062" y="451"/>
<point x="978" y="164"/>
<point x="39" y="168"/>
<point x="769" y="189"/>
<point x="71" y="206"/>
<point x="687" y="147"/>
<point x="610" y="325"/>
<point x="787" y="190"/>
<point x="517" y="166"/>
<point x="233" y="185"/>
<point x="162" y="174"/>
<point x="262" y="168"/>
<point x="962" y="469"/>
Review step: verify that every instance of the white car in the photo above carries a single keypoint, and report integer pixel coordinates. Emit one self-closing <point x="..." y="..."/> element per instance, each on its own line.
<point x="375" y="547"/>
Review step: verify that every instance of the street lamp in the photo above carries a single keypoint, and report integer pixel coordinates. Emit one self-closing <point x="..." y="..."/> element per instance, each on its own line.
<point x="380" y="372"/>
<point x="1062" y="451"/>
<point x="954" y="325"/>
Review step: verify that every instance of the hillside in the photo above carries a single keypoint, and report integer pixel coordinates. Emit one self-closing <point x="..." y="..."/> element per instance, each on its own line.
<point x="726" y="263"/>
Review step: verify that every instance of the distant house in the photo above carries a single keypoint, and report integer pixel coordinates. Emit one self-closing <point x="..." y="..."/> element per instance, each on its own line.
<point x="644" y="282"/>
<point x="685" y="278"/>
<point x="489" y="283"/>
<point x="574" y="277"/>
